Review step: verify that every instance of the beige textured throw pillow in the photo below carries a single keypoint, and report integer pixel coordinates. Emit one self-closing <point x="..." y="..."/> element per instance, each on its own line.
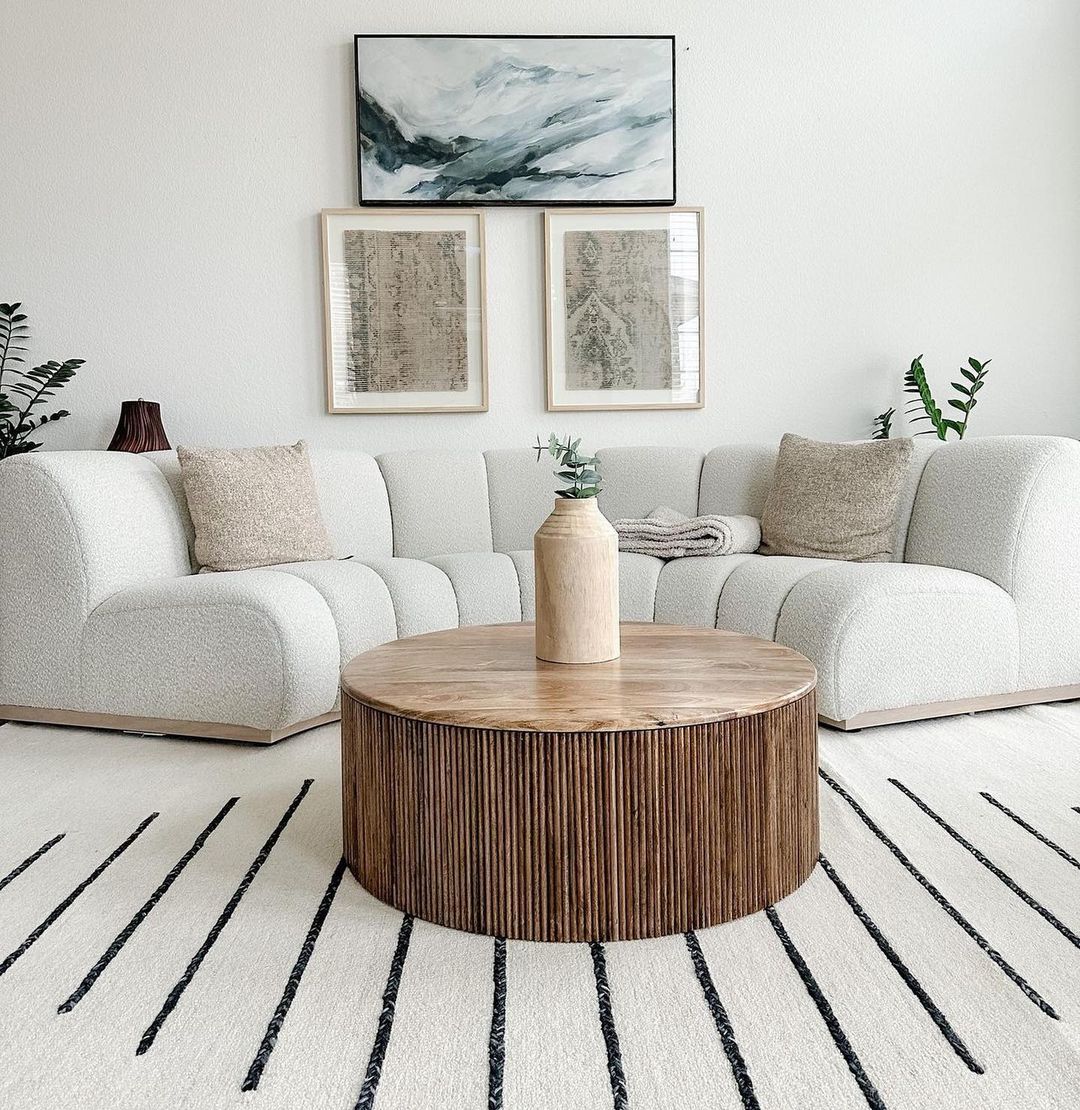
<point x="835" y="500"/>
<point x="253" y="506"/>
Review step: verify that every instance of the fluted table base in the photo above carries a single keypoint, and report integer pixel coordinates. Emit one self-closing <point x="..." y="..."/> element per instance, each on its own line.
<point x="572" y="836"/>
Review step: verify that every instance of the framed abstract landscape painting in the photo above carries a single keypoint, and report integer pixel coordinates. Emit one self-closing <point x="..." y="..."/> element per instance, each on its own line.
<point x="403" y="294"/>
<point x="624" y="292"/>
<point x="535" y="120"/>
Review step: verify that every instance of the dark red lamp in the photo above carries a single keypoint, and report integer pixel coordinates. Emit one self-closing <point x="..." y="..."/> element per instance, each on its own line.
<point x="139" y="428"/>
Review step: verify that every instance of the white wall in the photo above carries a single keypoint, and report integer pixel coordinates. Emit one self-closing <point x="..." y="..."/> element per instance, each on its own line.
<point x="881" y="178"/>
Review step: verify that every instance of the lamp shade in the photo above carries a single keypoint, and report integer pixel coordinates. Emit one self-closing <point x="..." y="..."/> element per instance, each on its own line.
<point x="139" y="428"/>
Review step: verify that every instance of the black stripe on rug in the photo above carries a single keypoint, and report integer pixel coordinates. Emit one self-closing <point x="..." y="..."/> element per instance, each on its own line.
<point x="174" y="995"/>
<point x="32" y="858"/>
<point x="386" y="1017"/>
<point x="739" y="1070"/>
<point x="124" y="935"/>
<point x="992" y="867"/>
<point x="497" y="1037"/>
<point x="1030" y="829"/>
<point x="983" y="944"/>
<point x="53" y="917"/>
<point x="619" y="1097"/>
<point x="843" y="1045"/>
<point x="901" y="969"/>
<point x="262" y="1056"/>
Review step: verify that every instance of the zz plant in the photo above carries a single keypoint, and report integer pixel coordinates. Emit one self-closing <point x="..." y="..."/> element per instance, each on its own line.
<point x="915" y="383"/>
<point x="23" y="391"/>
<point x="579" y="473"/>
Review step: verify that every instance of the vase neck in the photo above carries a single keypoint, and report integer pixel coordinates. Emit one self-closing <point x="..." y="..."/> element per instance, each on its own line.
<point x="569" y="505"/>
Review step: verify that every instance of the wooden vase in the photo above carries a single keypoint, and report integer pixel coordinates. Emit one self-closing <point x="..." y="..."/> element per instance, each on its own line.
<point x="576" y="555"/>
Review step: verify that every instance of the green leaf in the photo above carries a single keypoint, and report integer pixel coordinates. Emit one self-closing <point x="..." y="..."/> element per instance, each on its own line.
<point x="977" y="386"/>
<point x="961" y="388"/>
<point x="961" y="405"/>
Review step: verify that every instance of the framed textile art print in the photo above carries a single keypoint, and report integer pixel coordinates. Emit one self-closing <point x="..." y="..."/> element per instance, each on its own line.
<point x="403" y="297"/>
<point x="624" y="293"/>
<point x="515" y="119"/>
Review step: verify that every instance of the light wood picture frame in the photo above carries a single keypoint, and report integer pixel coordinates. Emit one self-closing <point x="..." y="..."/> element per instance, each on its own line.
<point x="404" y="310"/>
<point x="624" y="292"/>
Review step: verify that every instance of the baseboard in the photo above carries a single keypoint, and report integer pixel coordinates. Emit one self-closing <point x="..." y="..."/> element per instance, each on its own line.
<point x="947" y="708"/>
<point x="209" y="730"/>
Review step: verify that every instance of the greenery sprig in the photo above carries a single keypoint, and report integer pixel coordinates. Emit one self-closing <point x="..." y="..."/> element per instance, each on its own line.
<point x="579" y="473"/>
<point x="28" y="388"/>
<point x="883" y="424"/>
<point x="916" y="384"/>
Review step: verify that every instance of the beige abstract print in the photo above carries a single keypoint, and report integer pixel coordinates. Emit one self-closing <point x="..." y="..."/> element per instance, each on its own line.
<point x="407" y="311"/>
<point x="623" y="309"/>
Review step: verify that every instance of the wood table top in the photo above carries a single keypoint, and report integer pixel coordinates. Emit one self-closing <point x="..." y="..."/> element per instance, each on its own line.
<point x="487" y="676"/>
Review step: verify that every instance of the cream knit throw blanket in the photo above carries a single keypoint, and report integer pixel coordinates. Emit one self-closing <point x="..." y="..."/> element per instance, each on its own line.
<point x="668" y="534"/>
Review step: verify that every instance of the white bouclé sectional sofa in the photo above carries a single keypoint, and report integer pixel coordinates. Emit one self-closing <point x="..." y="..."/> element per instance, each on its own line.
<point x="104" y="621"/>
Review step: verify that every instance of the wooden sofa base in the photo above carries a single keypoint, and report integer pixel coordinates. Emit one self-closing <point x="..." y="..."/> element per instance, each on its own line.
<point x="952" y="708"/>
<point x="208" y="730"/>
<point x="212" y="731"/>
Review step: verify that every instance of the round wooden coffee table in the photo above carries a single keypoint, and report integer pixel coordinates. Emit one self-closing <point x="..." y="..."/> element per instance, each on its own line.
<point x="669" y="789"/>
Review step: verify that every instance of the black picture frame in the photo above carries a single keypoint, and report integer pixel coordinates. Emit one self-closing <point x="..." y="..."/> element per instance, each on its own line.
<point x="475" y="202"/>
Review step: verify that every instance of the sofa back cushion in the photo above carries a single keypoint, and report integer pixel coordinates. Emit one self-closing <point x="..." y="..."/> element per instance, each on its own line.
<point x="521" y="493"/>
<point x="735" y="479"/>
<point x="439" y="502"/>
<point x="640" y="479"/>
<point x="354" y="501"/>
<point x="972" y="507"/>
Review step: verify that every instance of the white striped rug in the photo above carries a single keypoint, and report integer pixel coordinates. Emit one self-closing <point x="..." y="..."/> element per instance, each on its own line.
<point x="162" y="944"/>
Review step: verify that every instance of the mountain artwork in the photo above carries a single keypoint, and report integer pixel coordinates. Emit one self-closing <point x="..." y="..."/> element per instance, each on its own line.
<point x="533" y="120"/>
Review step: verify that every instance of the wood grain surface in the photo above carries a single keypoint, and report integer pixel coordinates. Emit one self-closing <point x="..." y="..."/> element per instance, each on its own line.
<point x="488" y="676"/>
<point x="576" y="558"/>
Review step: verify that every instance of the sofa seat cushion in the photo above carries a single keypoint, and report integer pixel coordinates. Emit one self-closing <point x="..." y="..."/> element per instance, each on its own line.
<point x="887" y="635"/>
<point x="358" y="599"/>
<point x="755" y="591"/>
<point x="688" y="590"/>
<point x="485" y="584"/>
<point x="526" y="572"/>
<point x="252" y="647"/>
<point x="638" y="576"/>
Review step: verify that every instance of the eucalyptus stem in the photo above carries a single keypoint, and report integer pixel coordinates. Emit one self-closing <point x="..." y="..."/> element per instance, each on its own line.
<point x="579" y="473"/>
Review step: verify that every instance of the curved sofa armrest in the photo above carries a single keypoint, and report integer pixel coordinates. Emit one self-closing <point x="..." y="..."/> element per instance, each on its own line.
<point x="255" y="647"/>
<point x="78" y="526"/>
<point x="1008" y="508"/>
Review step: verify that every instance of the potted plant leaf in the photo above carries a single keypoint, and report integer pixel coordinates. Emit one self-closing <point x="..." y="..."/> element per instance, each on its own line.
<point x="22" y="392"/>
